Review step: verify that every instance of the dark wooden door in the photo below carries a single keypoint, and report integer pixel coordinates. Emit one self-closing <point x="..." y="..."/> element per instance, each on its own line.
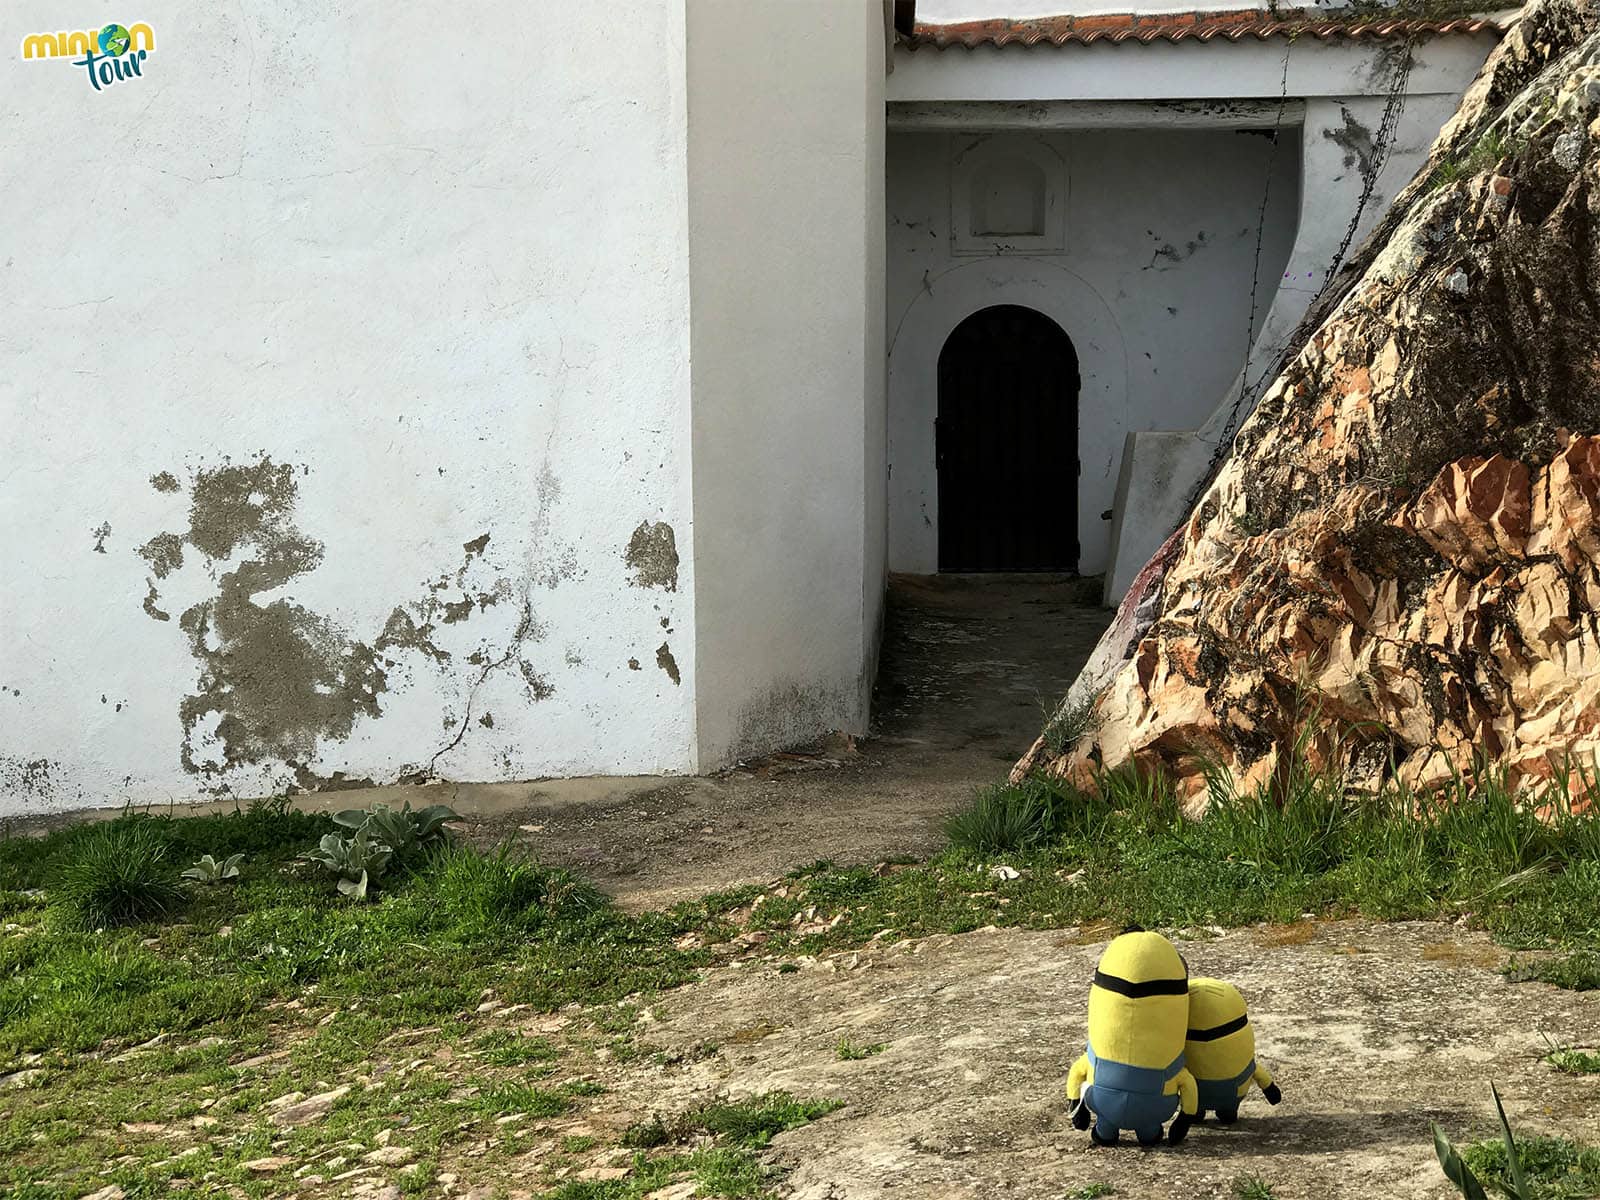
<point x="1007" y="444"/>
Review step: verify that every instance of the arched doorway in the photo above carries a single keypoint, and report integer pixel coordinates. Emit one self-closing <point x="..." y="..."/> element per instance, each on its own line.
<point x="1006" y="444"/>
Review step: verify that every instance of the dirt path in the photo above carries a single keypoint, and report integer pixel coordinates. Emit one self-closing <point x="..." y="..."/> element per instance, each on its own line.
<point x="967" y="664"/>
<point x="1372" y="1030"/>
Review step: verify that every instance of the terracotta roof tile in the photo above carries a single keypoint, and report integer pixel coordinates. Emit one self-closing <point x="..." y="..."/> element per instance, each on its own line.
<point x="1233" y="26"/>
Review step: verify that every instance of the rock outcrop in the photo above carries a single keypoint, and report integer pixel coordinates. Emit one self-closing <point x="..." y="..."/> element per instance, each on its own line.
<point x="1398" y="567"/>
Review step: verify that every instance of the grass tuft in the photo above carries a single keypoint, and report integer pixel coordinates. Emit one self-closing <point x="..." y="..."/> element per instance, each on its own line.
<point x="751" y="1123"/>
<point x="1252" y="1187"/>
<point x="1574" y="1062"/>
<point x="1578" y="972"/>
<point x="850" y="1050"/>
<point x="1010" y="820"/>
<point x="1555" y="1168"/>
<point x="756" y="1121"/>
<point x="505" y="894"/>
<point x="119" y="875"/>
<point x="1486" y="153"/>
<point x="498" y="1099"/>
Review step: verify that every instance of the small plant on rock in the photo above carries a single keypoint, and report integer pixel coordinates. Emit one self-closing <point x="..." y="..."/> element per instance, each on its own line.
<point x="209" y="870"/>
<point x="357" y="861"/>
<point x="118" y="876"/>
<point x="851" y="1050"/>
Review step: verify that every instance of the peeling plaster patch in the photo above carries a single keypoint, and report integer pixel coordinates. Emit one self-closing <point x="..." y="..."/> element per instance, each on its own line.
<point x="100" y="535"/>
<point x="633" y="664"/>
<point x="308" y="780"/>
<point x="548" y="489"/>
<point x="164" y="553"/>
<point x="150" y="599"/>
<point x="539" y="687"/>
<point x="401" y="632"/>
<point x="652" y="555"/>
<point x="274" y="678"/>
<point x="280" y="676"/>
<point x="166" y="481"/>
<point x="1355" y="139"/>
<point x="233" y="507"/>
<point x="278" y="680"/>
<point x="667" y="663"/>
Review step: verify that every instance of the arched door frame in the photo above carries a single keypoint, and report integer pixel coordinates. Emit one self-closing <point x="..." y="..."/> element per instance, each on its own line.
<point x="1007" y="443"/>
<point x="916" y="340"/>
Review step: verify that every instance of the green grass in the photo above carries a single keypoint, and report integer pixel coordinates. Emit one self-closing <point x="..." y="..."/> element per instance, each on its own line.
<point x="751" y="1123"/>
<point x="1251" y="1187"/>
<point x="851" y="1050"/>
<point x="1578" y="972"/>
<point x="716" y="1172"/>
<point x="502" y="1098"/>
<point x="755" y="1122"/>
<point x="505" y="896"/>
<point x="1574" y="1062"/>
<point x="266" y="829"/>
<point x="120" y="874"/>
<point x="1008" y="819"/>
<point x="506" y="1048"/>
<point x="1556" y="1169"/>
<point x="279" y="962"/>
<point x="729" y="1167"/>
<point x="1093" y="1191"/>
<point x="438" y="935"/>
<point x="1486" y="153"/>
<point x="1129" y="856"/>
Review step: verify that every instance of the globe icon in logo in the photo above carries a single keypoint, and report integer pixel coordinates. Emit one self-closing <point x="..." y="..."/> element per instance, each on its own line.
<point x="114" y="40"/>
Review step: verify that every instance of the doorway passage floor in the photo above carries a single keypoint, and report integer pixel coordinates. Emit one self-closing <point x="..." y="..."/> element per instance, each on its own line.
<point x="968" y="665"/>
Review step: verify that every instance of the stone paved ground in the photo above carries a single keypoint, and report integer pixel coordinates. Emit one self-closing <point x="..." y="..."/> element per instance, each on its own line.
<point x="1372" y="1030"/>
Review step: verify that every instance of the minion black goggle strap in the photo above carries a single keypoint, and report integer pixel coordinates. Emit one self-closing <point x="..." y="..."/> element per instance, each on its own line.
<point x="1219" y="1031"/>
<point x="1146" y="987"/>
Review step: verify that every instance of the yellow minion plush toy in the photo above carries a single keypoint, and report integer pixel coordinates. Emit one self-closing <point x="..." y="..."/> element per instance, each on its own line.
<point x="1221" y="1050"/>
<point x="1132" y="1075"/>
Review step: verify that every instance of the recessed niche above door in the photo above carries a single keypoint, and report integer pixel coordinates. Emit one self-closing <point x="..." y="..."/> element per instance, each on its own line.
<point x="1008" y="195"/>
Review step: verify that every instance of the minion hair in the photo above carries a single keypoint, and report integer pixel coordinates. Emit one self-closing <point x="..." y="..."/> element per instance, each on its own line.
<point x="1133" y="929"/>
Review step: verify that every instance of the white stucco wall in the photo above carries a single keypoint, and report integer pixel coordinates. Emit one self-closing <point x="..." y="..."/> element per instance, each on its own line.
<point x="786" y="238"/>
<point x="446" y="291"/>
<point x="1332" y="94"/>
<point x="1162" y="476"/>
<point x="1153" y="288"/>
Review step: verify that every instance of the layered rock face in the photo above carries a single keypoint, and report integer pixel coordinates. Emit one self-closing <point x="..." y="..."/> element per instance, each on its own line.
<point x="1398" y="566"/>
